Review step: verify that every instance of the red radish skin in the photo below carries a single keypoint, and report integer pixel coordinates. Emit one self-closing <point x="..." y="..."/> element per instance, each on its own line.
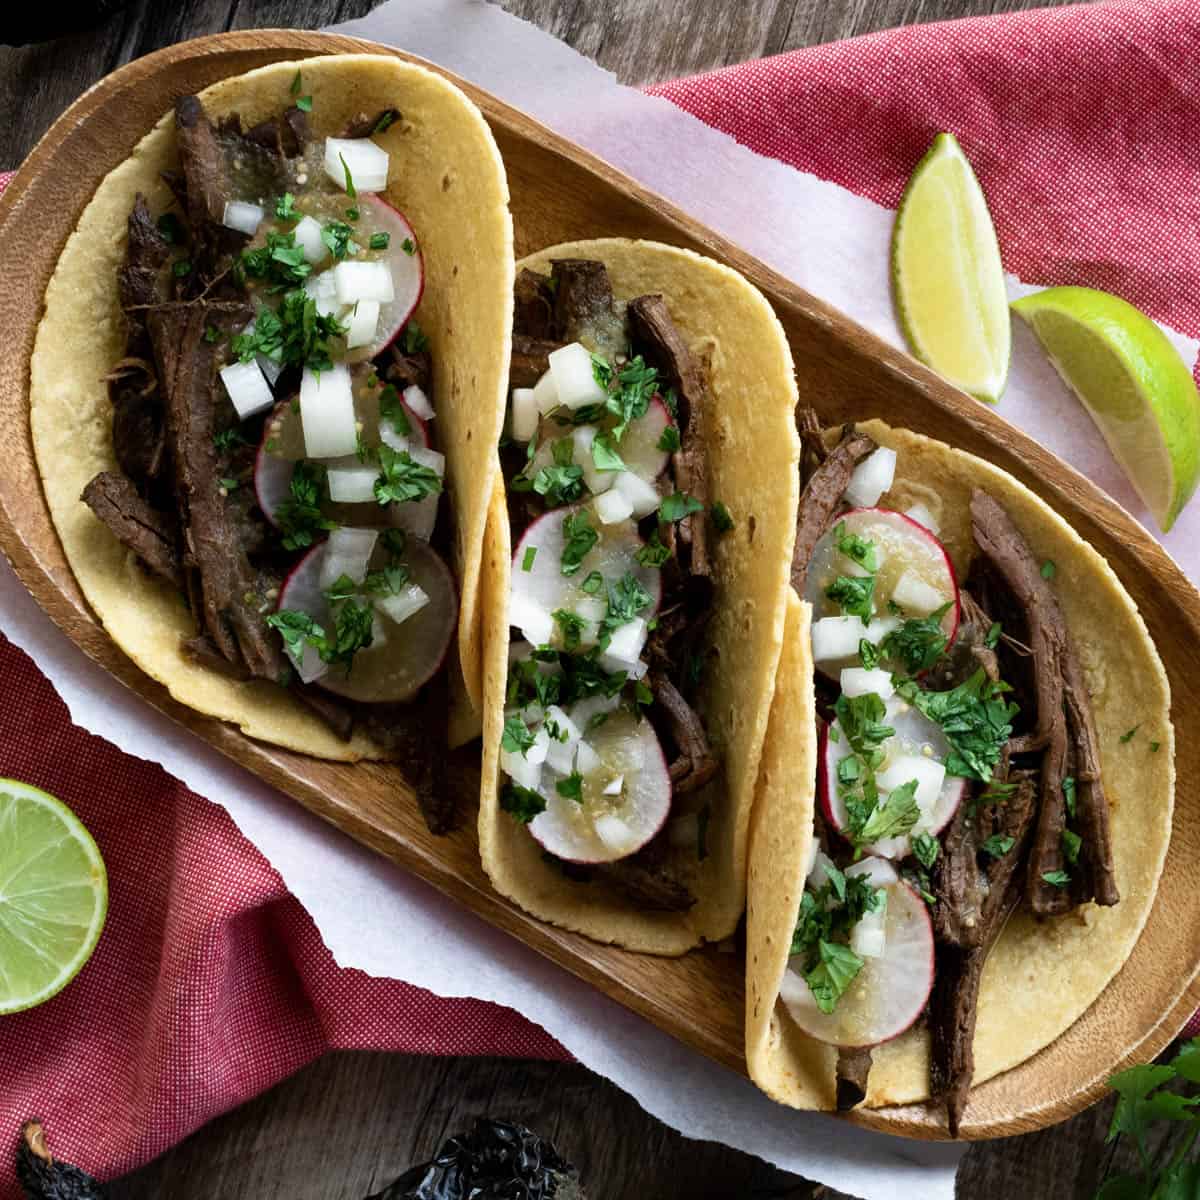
<point x="564" y="829"/>
<point x="823" y="607"/>
<point x="413" y="651"/>
<point x="908" y="917"/>
<point x="402" y="308"/>
<point x="952" y="795"/>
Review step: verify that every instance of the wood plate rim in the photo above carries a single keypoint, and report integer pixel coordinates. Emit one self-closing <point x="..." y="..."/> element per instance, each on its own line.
<point x="626" y="978"/>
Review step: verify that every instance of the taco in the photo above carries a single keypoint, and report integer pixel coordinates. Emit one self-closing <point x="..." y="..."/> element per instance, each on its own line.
<point x="967" y="790"/>
<point x="262" y="366"/>
<point x="640" y="558"/>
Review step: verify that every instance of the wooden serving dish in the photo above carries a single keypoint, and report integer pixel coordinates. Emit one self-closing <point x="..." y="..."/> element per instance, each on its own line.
<point x="560" y="192"/>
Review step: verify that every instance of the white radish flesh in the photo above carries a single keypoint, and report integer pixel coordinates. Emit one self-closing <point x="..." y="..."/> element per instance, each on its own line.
<point x="327" y="413"/>
<point x="625" y="644"/>
<point x="872" y="477"/>
<point x="889" y="992"/>
<point x="574" y="379"/>
<point x="248" y="388"/>
<point x="366" y="162"/>
<point x="605" y="827"/>
<point x="531" y="618"/>
<point x="310" y="666"/>
<point x="244" y="217"/>
<point x="308" y="237"/>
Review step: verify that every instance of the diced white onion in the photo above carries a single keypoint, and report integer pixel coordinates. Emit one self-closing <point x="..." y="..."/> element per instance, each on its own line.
<point x="524" y="414"/>
<point x="323" y="290"/>
<point x="409" y="600"/>
<point x="356" y="281"/>
<point x="574" y="378"/>
<point x="928" y="773"/>
<point x="309" y="665"/>
<point x="868" y="938"/>
<point x="378" y="631"/>
<point x="565" y="724"/>
<point x="847" y="565"/>
<point x="520" y="769"/>
<point x="872" y="477"/>
<point x="626" y="645"/>
<point x="838" y="637"/>
<point x="642" y="495"/>
<point x="244" y="217"/>
<point x="582" y="711"/>
<point x="364" y="321"/>
<point x="308" y="237"/>
<point x="614" y="788"/>
<point x="818" y="873"/>
<point x="545" y="394"/>
<point x="366" y="162"/>
<point x="613" y="832"/>
<point x="269" y="367"/>
<point x="535" y="622"/>
<point x="416" y="399"/>
<point x="857" y="681"/>
<point x="352" y="484"/>
<point x="581" y="453"/>
<point x="586" y="759"/>
<point x="327" y="413"/>
<point x="813" y="847"/>
<point x="347" y="552"/>
<point x="541" y="746"/>
<point x="613" y="506"/>
<point x="389" y="437"/>
<point x="433" y="459"/>
<point x="914" y="595"/>
<point x="919" y="513"/>
<point x="247" y="388"/>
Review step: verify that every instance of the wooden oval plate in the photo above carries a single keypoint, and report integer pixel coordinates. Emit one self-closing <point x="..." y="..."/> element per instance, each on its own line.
<point x="560" y="192"/>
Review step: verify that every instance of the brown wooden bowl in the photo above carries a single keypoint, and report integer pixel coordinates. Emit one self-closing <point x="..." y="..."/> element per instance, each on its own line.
<point x="559" y="193"/>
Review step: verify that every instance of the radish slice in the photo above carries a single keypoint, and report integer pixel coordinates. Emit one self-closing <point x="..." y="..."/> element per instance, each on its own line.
<point x="327" y="413"/>
<point x="415" y="399"/>
<point x="308" y="237"/>
<point x="919" y="513"/>
<point x="605" y="827"/>
<point x="407" y="269"/>
<point x="917" y="751"/>
<point x="283" y="445"/>
<point x="872" y="477"/>
<point x="543" y="587"/>
<point x="639" y="447"/>
<point x="889" y="992"/>
<point x="366" y="163"/>
<point x="410" y="654"/>
<point x="245" y="218"/>
<point x="247" y="388"/>
<point x="911" y="564"/>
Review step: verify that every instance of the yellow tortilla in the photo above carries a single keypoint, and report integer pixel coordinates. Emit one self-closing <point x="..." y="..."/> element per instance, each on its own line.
<point x="753" y="455"/>
<point x="1039" y="978"/>
<point x="447" y="177"/>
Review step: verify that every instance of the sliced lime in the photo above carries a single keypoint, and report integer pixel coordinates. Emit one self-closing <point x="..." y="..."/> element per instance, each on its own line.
<point x="947" y="281"/>
<point x="53" y="896"/>
<point x="1132" y="382"/>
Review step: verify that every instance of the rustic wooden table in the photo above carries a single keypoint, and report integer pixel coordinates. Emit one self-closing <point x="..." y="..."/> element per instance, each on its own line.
<point x="350" y="1122"/>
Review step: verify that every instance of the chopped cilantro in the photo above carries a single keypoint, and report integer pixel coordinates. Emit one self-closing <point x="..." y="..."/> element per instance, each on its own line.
<point x="1071" y="843"/>
<point x="392" y="410"/>
<point x="228" y="438"/>
<point x="926" y="849"/>
<point x="528" y="558"/>
<point x="380" y="241"/>
<point x="350" y="188"/>
<point x="653" y="553"/>
<point x="353" y="213"/>
<point x="385" y="120"/>
<point x="304" y="103"/>
<point x="408" y="245"/>
<point x="522" y="802"/>
<point x="855" y="594"/>
<point x="721" y="517"/>
<point x="858" y="549"/>
<point x="1068" y="787"/>
<point x="626" y="598"/>
<point x="415" y="340"/>
<point x="299" y="516"/>
<point x="868" y="654"/>
<point x="229" y="483"/>
<point x="642" y="693"/>
<point x="917" y="643"/>
<point x="295" y="89"/>
<point x="297" y="629"/>
<point x="1058" y="879"/>
<point x="391" y="581"/>
<point x="895" y="816"/>
<point x="833" y="974"/>
<point x="677" y="506"/>
<point x="998" y="845"/>
<point x="181" y="268"/>
<point x="571" y="788"/>
<point x="342" y="588"/>
<point x="353" y="626"/>
<point x="992" y="638"/>
<point x="1048" y="569"/>
<point x="669" y="439"/>
<point x="629" y="398"/>
<point x="604" y="454"/>
<point x="285" y="207"/>
<point x="279" y="262"/>
<point x="1154" y="747"/>
<point x="579" y="537"/>
<point x="593" y="583"/>
<point x="571" y="624"/>
<point x="403" y="479"/>
<point x="339" y="237"/>
<point x="211" y="334"/>
<point x="517" y="737"/>
<point x="561" y="483"/>
<point x="1127" y="736"/>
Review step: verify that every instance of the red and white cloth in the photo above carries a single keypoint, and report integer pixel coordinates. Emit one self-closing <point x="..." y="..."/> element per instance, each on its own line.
<point x="210" y="982"/>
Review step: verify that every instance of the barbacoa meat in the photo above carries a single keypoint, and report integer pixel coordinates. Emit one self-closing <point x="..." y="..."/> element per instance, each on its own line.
<point x="533" y="306"/>
<point x="648" y="878"/>
<point x="582" y="296"/>
<point x="853" y="1068"/>
<point x="694" y="764"/>
<point x="150" y="534"/>
<point x="530" y="359"/>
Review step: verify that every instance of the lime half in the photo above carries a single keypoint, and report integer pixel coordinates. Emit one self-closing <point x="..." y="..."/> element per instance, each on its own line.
<point x="947" y="281"/>
<point x="1132" y="381"/>
<point x="53" y="896"/>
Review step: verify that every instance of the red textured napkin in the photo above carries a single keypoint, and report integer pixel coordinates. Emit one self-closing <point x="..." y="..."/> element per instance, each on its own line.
<point x="210" y="982"/>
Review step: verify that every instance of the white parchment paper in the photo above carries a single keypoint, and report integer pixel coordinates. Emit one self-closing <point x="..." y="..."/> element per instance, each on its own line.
<point x="377" y="918"/>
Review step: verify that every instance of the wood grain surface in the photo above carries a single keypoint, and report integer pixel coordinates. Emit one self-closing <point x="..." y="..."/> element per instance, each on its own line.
<point x="639" y="41"/>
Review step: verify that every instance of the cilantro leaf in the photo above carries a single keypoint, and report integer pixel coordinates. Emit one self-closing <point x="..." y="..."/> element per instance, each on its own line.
<point x="279" y="262"/>
<point x="677" y="506"/>
<point x="415" y="340"/>
<point x="992" y="638"/>
<point x="297" y="629"/>
<point x="404" y="480"/>
<point x="1058" y="879"/>
<point x="926" y="849"/>
<point x="299" y="516"/>
<point x="351" y="191"/>
<point x="868" y="654"/>
<point x="381" y="241"/>
<point x="522" y="802"/>
<point x="855" y="594"/>
<point x="835" y="971"/>
<point x="633" y="386"/>
<point x="917" y="643"/>
<point x="653" y="553"/>
<point x="1071" y="843"/>
<point x="571" y="788"/>
<point x="721" y="517"/>
<point x="285" y="207"/>
<point x="894" y="817"/>
<point x="517" y="737"/>
<point x="858" y="549"/>
<point x="668" y="440"/>
<point x="579" y="537"/>
<point x="571" y="624"/>
<point x="1127" y="736"/>
<point x="604" y="454"/>
<point x="339" y="238"/>
<point x="998" y="845"/>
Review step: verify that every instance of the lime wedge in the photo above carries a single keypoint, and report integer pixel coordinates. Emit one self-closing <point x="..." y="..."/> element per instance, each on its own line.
<point x="1132" y="381"/>
<point x="947" y="281"/>
<point x="53" y="896"/>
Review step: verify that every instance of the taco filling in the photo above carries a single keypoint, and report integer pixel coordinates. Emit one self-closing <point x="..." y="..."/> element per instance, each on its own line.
<point x="958" y="775"/>
<point x="605" y="754"/>
<point x="273" y="420"/>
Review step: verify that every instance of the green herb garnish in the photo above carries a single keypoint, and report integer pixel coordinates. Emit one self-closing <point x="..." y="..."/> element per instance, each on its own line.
<point x="521" y="802"/>
<point x="677" y="506"/>
<point x="721" y="517"/>
<point x="517" y="737"/>
<point x="579" y="537"/>
<point x="404" y="480"/>
<point x="299" y="517"/>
